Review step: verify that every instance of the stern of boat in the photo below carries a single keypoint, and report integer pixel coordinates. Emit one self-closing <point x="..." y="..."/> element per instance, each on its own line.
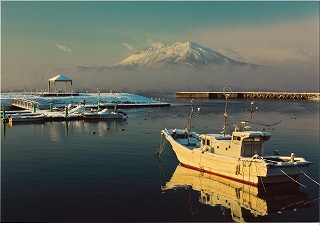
<point x="285" y="169"/>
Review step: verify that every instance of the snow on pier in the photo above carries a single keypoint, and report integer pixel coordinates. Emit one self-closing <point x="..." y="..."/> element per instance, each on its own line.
<point x="250" y="95"/>
<point x="121" y="100"/>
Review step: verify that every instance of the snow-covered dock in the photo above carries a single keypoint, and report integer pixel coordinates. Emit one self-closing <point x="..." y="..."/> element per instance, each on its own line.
<point x="69" y="113"/>
<point x="103" y="100"/>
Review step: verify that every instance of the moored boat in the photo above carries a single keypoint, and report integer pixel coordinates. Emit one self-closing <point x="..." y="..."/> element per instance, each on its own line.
<point x="239" y="156"/>
<point x="104" y="114"/>
<point x="91" y="114"/>
<point x="24" y="118"/>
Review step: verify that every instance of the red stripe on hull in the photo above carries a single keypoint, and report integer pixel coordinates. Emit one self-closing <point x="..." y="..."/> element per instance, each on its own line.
<point x="221" y="175"/>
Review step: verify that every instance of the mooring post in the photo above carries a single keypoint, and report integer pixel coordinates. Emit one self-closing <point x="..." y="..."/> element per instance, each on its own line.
<point x="3" y="111"/>
<point x="66" y="111"/>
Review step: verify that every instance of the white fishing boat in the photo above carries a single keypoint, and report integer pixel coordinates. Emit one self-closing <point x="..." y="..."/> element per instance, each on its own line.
<point x="239" y="156"/>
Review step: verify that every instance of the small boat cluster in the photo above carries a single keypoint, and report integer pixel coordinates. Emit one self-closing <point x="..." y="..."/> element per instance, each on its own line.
<point x="81" y="112"/>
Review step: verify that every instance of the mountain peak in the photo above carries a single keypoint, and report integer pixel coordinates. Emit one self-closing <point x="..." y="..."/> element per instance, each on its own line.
<point x="186" y="54"/>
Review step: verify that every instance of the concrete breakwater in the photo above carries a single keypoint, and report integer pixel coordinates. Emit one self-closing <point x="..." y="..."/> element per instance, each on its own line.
<point x="250" y="95"/>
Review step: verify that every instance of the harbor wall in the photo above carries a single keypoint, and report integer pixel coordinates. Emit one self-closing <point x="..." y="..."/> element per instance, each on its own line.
<point x="245" y="95"/>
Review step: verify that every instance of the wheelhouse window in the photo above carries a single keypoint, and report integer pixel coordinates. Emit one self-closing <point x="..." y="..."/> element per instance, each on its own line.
<point x="252" y="146"/>
<point x="236" y="138"/>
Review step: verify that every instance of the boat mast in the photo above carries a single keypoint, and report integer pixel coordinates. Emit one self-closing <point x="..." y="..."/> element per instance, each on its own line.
<point x="251" y="111"/>
<point x="188" y="123"/>
<point x="227" y="92"/>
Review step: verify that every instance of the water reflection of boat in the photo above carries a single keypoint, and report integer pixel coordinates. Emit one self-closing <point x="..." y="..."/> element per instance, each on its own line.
<point x="246" y="202"/>
<point x="239" y="156"/>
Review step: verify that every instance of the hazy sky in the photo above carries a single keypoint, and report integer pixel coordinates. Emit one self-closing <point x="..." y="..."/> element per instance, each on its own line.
<point x="43" y="39"/>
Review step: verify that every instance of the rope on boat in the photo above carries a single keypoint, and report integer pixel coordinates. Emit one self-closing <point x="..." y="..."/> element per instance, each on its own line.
<point x="261" y="179"/>
<point x="307" y="175"/>
<point x="292" y="178"/>
<point x="163" y="143"/>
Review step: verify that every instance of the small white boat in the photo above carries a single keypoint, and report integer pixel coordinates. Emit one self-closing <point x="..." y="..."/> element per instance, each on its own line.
<point x="239" y="156"/>
<point x="89" y="113"/>
<point x="24" y="118"/>
<point x="103" y="114"/>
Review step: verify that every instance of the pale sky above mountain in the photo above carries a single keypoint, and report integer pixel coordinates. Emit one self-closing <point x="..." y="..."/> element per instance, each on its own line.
<point x="41" y="39"/>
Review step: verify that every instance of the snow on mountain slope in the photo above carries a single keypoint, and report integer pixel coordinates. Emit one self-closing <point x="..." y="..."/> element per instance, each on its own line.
<point x="189" y="54"/>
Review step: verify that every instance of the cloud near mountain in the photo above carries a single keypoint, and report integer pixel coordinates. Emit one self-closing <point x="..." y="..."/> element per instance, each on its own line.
<point x="192" y="67"/>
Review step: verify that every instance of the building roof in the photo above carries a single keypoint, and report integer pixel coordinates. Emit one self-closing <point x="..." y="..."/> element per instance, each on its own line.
<point x="60" y="78"/>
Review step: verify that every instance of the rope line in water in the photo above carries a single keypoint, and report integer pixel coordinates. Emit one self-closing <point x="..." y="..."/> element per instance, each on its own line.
<point x="307" y="176"/>
<point x="302" y="203"/>
<point x="292" y="178"/>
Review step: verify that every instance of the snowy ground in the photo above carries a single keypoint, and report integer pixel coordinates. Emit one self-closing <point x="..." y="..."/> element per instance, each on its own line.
<point x="105" y="99"/>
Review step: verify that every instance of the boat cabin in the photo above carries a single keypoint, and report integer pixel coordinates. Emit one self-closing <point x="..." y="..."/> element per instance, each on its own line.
<point x="240" y="144"/>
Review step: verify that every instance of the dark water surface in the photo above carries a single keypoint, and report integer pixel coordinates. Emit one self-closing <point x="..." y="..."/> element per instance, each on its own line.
<point x="62" y="172"/>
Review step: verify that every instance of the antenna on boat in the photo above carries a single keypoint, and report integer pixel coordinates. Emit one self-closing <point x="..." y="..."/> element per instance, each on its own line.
<point x="188" y="123"/>
<point x="227" y="92"/>
<point x="251" y="111"/>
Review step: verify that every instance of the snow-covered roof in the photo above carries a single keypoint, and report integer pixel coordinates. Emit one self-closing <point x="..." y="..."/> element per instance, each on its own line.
<point x="60" y="78"/>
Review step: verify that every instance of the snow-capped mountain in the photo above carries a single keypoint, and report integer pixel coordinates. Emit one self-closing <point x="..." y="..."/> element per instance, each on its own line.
<point x="188" y="54"/>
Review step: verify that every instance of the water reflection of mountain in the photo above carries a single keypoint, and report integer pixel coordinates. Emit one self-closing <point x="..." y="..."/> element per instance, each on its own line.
<point x="246" y="203"/>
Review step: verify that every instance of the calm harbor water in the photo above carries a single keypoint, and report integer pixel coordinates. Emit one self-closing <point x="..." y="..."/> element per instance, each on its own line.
<point x="62" y="172"/>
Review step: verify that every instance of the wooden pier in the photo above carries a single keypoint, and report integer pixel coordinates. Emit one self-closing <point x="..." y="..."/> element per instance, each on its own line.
<point x="34" y="106"/>
<point x="250" y="95"/>
<point x="25" y="104"/>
